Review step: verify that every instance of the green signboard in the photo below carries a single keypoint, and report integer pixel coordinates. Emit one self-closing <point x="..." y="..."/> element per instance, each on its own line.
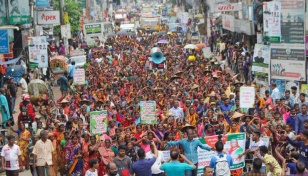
<point x="19" y="12"/>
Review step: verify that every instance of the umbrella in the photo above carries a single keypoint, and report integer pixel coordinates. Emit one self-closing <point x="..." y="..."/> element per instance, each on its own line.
<point x="190" y="46"/>
<point x="161" y="33"/>
<point x="163" y="41"/>
<point x="175" y="77"/>
<point x="122" y="33"/>
<point x="111" y="35"/>
<point x="200" y="45"/>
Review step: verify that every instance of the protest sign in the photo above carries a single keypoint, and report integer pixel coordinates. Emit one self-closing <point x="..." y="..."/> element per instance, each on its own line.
<point x="98" y="122"/>
<point x="247" y="97"/>
<point x="148" y="112"/>
<point x="79" y="76"/>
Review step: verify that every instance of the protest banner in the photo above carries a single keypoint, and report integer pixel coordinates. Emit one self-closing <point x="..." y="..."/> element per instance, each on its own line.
<point x="234" y="144"/>
<point x="148" y="112"/>
<point x="98" y="122"/>
<point x="79" y="76"/>
<point x="247" y="97"/>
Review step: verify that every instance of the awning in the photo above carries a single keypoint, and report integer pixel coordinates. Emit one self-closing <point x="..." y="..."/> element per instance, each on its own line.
<point x="12" y="61"/>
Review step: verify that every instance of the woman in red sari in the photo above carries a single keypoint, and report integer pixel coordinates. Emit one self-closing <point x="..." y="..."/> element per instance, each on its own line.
<point x="106" y="155"/>
<point x="85" y="151"/>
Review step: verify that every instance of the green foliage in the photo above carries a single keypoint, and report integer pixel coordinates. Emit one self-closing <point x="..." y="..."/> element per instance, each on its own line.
<point x="74" y="10"/>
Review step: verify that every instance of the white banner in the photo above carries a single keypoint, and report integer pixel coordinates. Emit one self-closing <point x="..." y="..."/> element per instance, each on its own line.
<point x="261" y="59"/>
<point x="48" y="17"/>
<point x="228" y="22"/>
<point x="247" y="97"/>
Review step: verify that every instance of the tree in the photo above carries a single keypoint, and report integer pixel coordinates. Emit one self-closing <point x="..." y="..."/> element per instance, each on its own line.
<point x="74" y="10"/>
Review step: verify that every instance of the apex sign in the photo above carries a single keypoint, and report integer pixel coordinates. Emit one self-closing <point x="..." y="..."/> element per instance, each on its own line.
<point x="48" y="17"/>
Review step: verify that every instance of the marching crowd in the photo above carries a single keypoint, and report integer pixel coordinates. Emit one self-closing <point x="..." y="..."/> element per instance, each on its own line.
<point x="195" y="98"/>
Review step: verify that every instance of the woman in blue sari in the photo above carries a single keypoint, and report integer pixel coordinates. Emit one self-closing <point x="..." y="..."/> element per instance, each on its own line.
<point x="5" y="112"/>
<point x="73" y="157"/>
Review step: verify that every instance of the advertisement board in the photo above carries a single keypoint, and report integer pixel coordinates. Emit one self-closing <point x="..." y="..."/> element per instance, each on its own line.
<point x="148" y="112"/>
<point x="271" y="21"/>
<point x="19" y="12"/>
<point x="48" y="17"/>
<point x="93" y="31"/>
<point x="288" y="62"/>
<point x="4" y="42"/>
<point x="38" y="52"/>
<point x="228" y="22"/>
<point x="292" y="23"/>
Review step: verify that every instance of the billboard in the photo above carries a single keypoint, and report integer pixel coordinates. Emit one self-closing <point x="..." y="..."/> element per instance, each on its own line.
<point x="19" y="12"/>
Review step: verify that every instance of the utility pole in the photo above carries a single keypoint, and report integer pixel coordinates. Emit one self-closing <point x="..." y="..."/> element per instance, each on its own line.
<point x="62" y="12"/>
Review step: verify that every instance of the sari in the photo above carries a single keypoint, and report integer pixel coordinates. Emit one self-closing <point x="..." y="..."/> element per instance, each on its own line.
<point x="54" y="170"/>
<point x="191" y="119"/>
<point x="106" y="155"/>
<point x="24" y="145"/>
<point x="73" y="150"/>
<point x="61" y="155"/>
<point x="85" y="156"/>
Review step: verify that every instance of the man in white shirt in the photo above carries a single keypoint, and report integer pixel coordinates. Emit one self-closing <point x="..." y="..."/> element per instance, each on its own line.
<point x="254" y="146"/>
<point x="155" y="167"/>
<point x="275" y="93"/>
<point x="10" y="156"/>
<point x="177" y="111"/>
<point x="23" y="84"/>
<point x="43" y="154"/>
<point x="294" y="94"/>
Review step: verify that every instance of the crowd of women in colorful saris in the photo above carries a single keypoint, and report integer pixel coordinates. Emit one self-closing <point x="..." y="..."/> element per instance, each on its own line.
<point x="197" y="93"/>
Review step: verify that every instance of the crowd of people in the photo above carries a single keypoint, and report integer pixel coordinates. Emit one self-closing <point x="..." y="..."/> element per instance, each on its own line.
<point x="195" y="98"/>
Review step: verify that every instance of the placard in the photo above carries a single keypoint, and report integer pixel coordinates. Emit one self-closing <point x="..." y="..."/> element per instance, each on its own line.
<point x="304" y="88"/>
<point x="79" y="76"/>
<point x="148" y="112"/>
<point x="261" y="59"/>
<point x="247" y="97"/>
<point x="38" y="52"/>
<point x="42" y="3"/>
<point x="234" y="144"/>
<point x="98" y="122"/>
<point x="4" y="42"/>
<point x="228" y="22"/>
<point x="271" y="21"/>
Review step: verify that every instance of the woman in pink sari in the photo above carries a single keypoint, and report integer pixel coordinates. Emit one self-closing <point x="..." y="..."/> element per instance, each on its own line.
<point x="106" y="155"/>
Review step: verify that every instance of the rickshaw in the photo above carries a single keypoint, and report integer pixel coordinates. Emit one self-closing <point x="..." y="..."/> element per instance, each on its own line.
<point x="39" y="92"/>
<point x="58" y="64"/>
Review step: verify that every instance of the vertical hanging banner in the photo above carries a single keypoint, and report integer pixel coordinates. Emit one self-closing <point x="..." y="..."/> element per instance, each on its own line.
<point x="3" y="17"/>
<point x="19" y="12"/>
<point x="271" y="21"/>
<point x="98" y="122"/>
<point x="4" y="42"/>
<point x="234" y="144"/>
<point x="148" y="112"/>
<point x="38" y="55"/>
<point x="261" y="61"/>
<point x="247" y="97"/>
